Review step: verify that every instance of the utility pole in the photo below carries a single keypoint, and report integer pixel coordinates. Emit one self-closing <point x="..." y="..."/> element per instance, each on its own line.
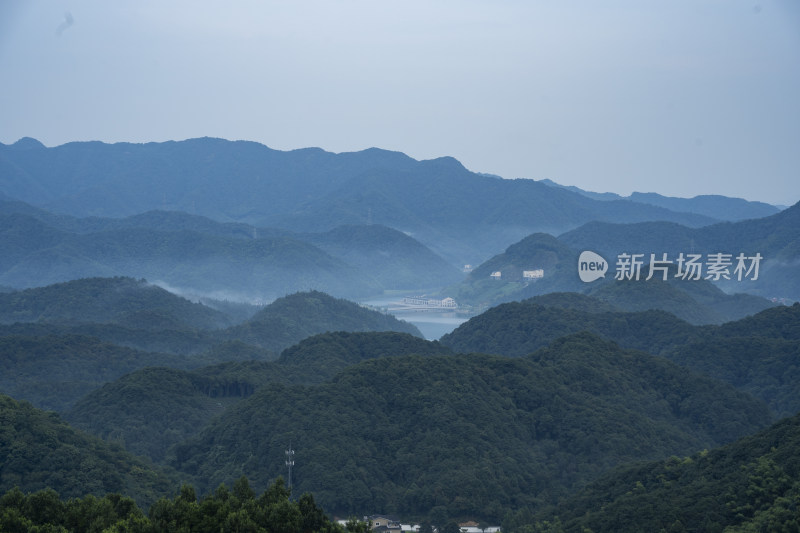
<point x="290" y="463"/>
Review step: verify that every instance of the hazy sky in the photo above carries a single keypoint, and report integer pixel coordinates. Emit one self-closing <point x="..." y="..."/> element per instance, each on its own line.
<point x="680" y="97"/>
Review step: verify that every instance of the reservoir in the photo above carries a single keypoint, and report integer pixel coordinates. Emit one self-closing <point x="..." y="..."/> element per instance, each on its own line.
<point x="432" y="324"/>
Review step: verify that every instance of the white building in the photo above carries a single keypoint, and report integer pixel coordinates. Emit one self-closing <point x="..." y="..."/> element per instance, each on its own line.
<point x="533" y="274"/>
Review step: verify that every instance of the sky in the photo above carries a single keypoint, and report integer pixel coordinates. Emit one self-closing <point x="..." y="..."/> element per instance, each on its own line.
<point x="679" y="97"/>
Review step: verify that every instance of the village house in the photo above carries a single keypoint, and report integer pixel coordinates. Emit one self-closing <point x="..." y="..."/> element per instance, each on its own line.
<point x="473" y="527"/>
<point x="384" y="523"/>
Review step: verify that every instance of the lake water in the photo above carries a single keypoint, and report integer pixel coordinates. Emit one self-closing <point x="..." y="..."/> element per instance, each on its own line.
<point x="432" y="325"/>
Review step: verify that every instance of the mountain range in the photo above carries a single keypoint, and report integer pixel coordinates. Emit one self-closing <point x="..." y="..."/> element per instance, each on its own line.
<point x="463" y="216"/>
<point x="185" y="302"/>
<point x="352" y="224"/>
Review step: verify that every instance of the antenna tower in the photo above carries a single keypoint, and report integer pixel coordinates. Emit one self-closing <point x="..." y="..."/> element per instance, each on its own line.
<point x="290" y="463"/>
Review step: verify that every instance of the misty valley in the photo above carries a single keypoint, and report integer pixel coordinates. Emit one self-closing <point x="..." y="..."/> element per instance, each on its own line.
<point x="211" y="335"/>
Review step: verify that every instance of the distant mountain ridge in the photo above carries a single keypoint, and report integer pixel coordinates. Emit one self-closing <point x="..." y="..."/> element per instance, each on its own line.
<point x="438" y="201"/>
<point x="714" y="206"/>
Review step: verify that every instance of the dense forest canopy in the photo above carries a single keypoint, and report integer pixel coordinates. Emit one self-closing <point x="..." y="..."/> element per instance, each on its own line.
<point x="749" y="485"/>
<point x="475" y="434"/>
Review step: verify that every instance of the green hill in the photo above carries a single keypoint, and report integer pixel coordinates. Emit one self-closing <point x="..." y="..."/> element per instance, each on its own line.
<point x="38" y="450"/>
<point x="52" y="365"/>
<point x="295" y="317"/>
<point x="326" y="354"/>
<point x="52" y="372"/>
<point x="124" y="301"/>
<point x="178" y="342"/>
<point x="573" y="300"/>
<point x="152" y="409"/>
<point x="697" y="302"/>
<point x="516" y="329"/>
<point x="471" y="435"/>
<point x="749" y="485"/>
<point x="758" y="354"/>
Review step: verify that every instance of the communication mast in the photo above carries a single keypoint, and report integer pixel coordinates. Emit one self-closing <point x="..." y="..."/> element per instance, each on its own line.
<point x="290" y="463"/>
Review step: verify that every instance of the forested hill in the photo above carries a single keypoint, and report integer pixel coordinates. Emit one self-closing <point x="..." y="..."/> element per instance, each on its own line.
<point x="124" y="301"/>
<point x="534" y="252"/>
<point x="154" y="408"/>
<point x="52" y="365"/>
<point x="518" y="328"/>
<point x="53" y="371"/>
<point x="475" y="434"/>
<point x="295" y="317"/>
<point x="749" y="485"/>
<point x="758" y="354"/>
<point x="696" y="301"/>
<point x="40" y="247"/>
<point x="395" y="260"/>
<point x="35" y="254"/>
<point x="319" y="357"/>
<point x="501" y="279"/>
<point x="38" y="450"/>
